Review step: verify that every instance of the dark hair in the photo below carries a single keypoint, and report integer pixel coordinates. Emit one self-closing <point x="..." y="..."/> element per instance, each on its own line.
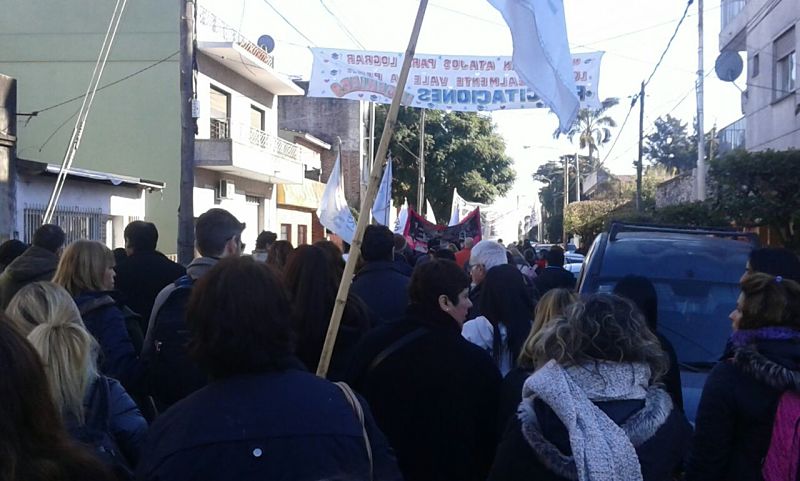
<point x="378" y="244"/>
<point x="312" y="289"/>
<point x="530" y="256"/>
<point x="265" y="239"/>
<point x="238" y="315"/>
<point x="10" y="250"/>
<point x="601" y="327"/>
<point x="400" y="243"/>
<point x="278" y="253"/>
<point x="141" y="236"/>
<point x="435" y="278"/>
<point x="50" y="237"/>
<point x="775" y="261"/>
<point x="214" y="229"/>
<point x="33" y="442"/>
<point x="555" y="256"/>
<point x="444" y="254"/>
<point x="769" y="302"/>
<point x="642" y="292"/>
<point x="120" y="254"/>
<point x="505" y="300"/>
<point x="334" y="256"/>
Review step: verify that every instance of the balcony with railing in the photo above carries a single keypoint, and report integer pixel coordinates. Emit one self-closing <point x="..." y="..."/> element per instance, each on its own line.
<point x="732" y="137"/>
<point x="733" y="24"/>
<point x="243" y="150"/>
<point x="730" y="9"/>
<point x="225" y="45"/>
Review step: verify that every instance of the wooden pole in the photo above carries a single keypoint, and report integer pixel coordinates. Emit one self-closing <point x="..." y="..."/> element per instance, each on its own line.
<point x="641" y="147"/>
<point x="369" y="198"/>
<point x="421" y="166"/>
<point x="188" y="125"/>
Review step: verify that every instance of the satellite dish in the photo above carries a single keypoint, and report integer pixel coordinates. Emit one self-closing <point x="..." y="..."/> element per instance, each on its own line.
<point x="728" y="66"/>
<point x="267" y="43"/>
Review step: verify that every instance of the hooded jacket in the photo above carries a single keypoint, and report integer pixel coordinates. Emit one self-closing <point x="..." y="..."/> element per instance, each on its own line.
<point x="35" y="264"/>
<point x="383" y="287"/>
<point x="737" y="410"/>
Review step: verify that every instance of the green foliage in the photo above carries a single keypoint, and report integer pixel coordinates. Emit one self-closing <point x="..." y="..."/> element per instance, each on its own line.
<point x="760" y="189"/>
<point x="462" y="150"/>
<point x="693" y="214"/>
<point x="586" y="218"/>
<point x="670" y="145"/>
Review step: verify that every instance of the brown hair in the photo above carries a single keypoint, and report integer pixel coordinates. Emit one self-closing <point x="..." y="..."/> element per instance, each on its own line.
<point x="34" y="446"/>
<point x="602" y="327"/>
<point x="82" y="267"/>
<point x="550" y="306"/>
<point x="278" y="254"/>
<point x="769" y="301"/>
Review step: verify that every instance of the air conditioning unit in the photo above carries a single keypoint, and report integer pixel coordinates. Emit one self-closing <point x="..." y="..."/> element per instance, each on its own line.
<point x="225" y="190"/>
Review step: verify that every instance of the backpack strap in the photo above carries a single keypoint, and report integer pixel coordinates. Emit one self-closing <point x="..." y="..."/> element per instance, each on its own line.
<point x="183" y="282"/>
<point x="395" y="346"/>
<point x="358" y="410"/>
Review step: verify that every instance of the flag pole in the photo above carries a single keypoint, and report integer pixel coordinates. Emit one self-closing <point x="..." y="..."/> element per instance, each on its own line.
<point x="369" y="198"/>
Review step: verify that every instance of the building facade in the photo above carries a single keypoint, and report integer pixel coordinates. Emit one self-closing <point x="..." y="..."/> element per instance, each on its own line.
<point x="134" y="127"/>
<point x="766" y="31"/>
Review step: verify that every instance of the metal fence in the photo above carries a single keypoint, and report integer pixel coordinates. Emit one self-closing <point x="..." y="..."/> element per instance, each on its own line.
<point x="732" y="137"/>
<point x="77" y="223"/>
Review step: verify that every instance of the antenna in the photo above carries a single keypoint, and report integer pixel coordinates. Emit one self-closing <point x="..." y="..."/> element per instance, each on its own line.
<point x="267" y="43"/>
<point x="728" y="66"/>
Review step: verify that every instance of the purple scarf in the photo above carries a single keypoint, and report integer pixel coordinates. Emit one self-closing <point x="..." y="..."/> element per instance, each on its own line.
<point x="744" y="337"/>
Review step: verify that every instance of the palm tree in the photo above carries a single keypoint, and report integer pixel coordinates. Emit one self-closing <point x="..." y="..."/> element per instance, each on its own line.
<point x="593" y="129"/>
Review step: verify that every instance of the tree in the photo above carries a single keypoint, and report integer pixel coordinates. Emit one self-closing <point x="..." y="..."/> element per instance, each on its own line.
<point x="593" y="128"/>
<point x="586" y="218"/>
<point x="670" y="145"/>
<point x="462" y="150"/>
<point x="760" y="189"/>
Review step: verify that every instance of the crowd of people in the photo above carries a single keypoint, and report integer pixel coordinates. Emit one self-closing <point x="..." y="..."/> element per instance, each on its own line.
<point x="468" y="362"/>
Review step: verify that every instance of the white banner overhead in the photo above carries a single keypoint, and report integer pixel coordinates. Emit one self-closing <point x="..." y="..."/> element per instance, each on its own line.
<point x="443" y="82"/>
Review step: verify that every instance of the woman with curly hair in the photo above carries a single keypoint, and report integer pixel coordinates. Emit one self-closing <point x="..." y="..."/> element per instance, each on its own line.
<point x="593" y="409"/>
<point x="737" y="409"/>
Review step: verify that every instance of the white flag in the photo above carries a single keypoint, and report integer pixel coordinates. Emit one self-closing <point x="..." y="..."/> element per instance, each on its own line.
<point x="383" y="201"/>
<point x="429" y="215"/>
<point x="455" y="211"/>
<point x="334" y="212"/>
<point x="402" y="219"/>
<point x="541" y="53"/>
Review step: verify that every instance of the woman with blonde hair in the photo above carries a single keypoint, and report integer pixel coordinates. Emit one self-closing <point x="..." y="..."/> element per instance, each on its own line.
<point x="550" y="306"/>
<point x="88" y="402"/>
<point x="594" y="408"/>
<point x="86" y="271"/>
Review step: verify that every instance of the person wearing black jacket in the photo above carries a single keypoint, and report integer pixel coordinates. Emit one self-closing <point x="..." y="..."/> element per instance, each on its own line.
<point x="381" y="283"/>
<point x="740" y="397"/>
<point x="643" y="294"/>
<point x="554" y="275"/>
<point x="433" y="392"/>
<point x="142" y="275"/>
<point x="263" y="416"/>
<point x="37" y="263"/>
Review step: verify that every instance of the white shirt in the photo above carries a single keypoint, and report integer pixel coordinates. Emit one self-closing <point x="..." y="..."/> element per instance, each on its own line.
<point x="480" y="332"/>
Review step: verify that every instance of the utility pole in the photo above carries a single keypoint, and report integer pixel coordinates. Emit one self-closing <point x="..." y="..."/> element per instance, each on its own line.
<point x="566" y="202"/>
<point x="701" y="137"/>
<point x="641" y="145"/>
<point x="577" y="177"/>
<point x="421" y="177"/>
<point x="188" y="129"/>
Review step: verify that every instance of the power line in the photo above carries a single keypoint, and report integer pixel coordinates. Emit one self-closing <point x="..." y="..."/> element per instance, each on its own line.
<point x="78" y="97"/>
<point x="669" y="43"/>
<point x="289" y="23"/>
<point x="342" y="26"/>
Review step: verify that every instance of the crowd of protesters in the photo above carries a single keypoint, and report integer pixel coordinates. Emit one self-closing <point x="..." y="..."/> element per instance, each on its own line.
<point x="469" y="362"/>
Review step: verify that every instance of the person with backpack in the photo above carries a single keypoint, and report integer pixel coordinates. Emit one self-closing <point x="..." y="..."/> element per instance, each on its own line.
<point x="171" y="376"/>
<point x="748" y="420"/>
<point x="263" y="416"/>
<point x="86" y="271"/>
<point x="34" y="444"/>
<point x="96" y="410"/>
